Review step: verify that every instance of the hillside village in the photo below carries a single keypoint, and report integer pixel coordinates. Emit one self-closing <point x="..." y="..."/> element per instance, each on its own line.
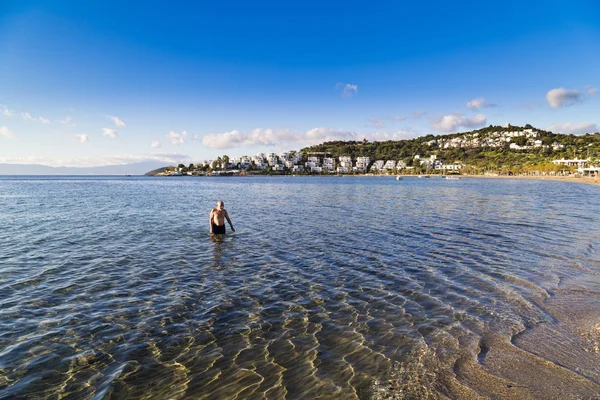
<point x="495" y="150"/>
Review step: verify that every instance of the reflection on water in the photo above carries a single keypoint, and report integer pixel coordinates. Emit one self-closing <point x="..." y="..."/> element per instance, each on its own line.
<point x="331" y="288"/>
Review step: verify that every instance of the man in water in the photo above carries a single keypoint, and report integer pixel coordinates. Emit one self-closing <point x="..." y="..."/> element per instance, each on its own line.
<point x="217" y="219"/>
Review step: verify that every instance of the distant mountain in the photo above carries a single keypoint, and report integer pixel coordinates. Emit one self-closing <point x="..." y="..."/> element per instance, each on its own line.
<point x="33" y="169"/>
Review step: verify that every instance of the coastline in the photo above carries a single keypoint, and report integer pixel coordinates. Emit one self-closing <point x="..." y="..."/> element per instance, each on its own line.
<point x="583" y="179"/>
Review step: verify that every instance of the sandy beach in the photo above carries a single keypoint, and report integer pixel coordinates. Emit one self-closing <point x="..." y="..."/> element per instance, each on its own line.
<point x="584" y="179"/>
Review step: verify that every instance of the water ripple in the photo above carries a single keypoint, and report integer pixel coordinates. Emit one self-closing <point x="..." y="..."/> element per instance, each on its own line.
<point x="330" y="288"/>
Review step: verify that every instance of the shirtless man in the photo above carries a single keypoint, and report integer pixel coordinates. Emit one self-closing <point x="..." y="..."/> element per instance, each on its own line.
<point x="217" y="219"/>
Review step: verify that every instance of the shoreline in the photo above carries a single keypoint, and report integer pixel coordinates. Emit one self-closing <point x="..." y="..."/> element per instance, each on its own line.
<point x="583" y="179"/>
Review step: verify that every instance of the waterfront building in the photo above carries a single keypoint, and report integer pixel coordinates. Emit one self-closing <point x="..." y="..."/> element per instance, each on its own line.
<point x="345" y="162"/>
<point x="389" y="165"/>
<point x="580" y="164"/>
<point x="377" y="166"/>
<point x="328" y="164"/>
<point x="362" y="163"/>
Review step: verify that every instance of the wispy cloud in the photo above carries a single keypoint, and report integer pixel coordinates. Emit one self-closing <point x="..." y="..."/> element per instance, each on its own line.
<point x="576" y="129"/>
<point x="117" y="121"/>
<point x="591" y="90"/>
<point x="177" y="138"/>
<point x="528" y="106"/>
<point x="286" y="138"/>
<point x="418" y="113"/>
<point x="67" y="121"/>
<point x="452" y="122"/>
<point x="28" y="117"/>
<point x="478" y="103"/>
<point x="399" y="118"/>
<point x="112" y="133"/>
<point x="155" y="144"/>
<point x="167" y="158"/>
<point x="82" y="137"/>
<point x="6" y="112"/>
<point x="347" y="89"/>
<point x="377" y="123"/>
<point x="561" y="97"/>
<point x="7" y="133"/>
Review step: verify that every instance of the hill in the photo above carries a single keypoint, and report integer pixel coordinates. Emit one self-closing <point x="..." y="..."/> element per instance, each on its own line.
<point x="493" y="147"/>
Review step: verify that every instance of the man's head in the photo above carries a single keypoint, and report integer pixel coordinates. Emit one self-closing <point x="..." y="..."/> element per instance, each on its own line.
<point x="220" y="205"/>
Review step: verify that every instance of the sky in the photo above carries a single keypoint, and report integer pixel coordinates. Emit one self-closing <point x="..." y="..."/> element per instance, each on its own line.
<point x="111" y="82"/>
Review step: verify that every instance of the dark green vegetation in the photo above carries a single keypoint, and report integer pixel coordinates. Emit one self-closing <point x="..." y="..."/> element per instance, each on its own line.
<point x="480" y="150"/>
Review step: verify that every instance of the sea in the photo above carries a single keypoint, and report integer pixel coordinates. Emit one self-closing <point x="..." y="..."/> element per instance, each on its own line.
<point x="330" y="288"/>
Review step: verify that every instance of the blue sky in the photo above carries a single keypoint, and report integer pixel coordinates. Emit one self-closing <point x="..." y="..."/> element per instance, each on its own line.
<point x="95" y="83"/>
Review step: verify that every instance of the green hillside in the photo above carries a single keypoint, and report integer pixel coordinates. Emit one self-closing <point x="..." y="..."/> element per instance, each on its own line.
<point x="483" y="149"/>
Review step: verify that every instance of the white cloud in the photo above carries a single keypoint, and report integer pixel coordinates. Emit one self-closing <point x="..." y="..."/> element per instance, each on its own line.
<point x="576" y="129"/>
<point x="67" y="121"/>
<point x="591" y="90"/>
<point x="155" y="144"/>
<point x="28" y="117"/>
<point x="561" y="97"/>
<point x="286" y="139"/>
<point x="418" y="113"/>
<point x="82" y="138"/>
<point x="4" y="131"/>
<point x="177" y="138"/>
<point x="224" y="140"/>
<point x="376" y="122"/>
<point x="5" y="111"/>
<point x="117" y="121"/>
<point x="478" y="103"/>
<point x="399" y="118"/>
<point x="452" y="122"/>
<point x="112" y="133"/>
<point x="347" y="89"/>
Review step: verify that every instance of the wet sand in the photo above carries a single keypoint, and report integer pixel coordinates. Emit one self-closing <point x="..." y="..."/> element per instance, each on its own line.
<point x="560" y="360"/>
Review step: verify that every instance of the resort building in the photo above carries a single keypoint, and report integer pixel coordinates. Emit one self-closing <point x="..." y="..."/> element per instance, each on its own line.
<point x="572" y="163"/>
<point x="362" y="163"/>
<point x="328" y="164"/>
<point x="345" y="162"/>
<point x="377" y="166"/>
<point x="580" y="164"/>
<point x="389" y="165"/>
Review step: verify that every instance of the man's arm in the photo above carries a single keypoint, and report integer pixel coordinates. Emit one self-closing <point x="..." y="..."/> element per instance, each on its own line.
<point x="228" y="220"/>
<point x="210" y="220"/>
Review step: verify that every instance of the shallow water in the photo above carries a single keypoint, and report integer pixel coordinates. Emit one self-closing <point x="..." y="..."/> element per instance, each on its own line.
<point x="331" y="287"/>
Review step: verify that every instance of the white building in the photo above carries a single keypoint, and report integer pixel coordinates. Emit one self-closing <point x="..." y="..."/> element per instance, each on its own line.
<point x="572" y="163"/>
<point x="377" y="166"/>
<point x="328" y="164"/>
<point x="345" y="162"/>
<point x="362" y="163"/>
<point x="389" y="165"/>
